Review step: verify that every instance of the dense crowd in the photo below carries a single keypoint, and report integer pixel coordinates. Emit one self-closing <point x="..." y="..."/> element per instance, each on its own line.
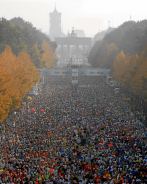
<point x="74" y="135"/>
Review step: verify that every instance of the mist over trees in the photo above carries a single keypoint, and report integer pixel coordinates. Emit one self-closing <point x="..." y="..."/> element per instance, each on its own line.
<point x="124" y="50"/>
<point x="22" y="36"/>
<point x="23" y="49"/>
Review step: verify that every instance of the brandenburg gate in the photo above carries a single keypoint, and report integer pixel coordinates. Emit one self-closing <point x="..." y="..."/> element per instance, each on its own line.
<point x="73" y="48"/>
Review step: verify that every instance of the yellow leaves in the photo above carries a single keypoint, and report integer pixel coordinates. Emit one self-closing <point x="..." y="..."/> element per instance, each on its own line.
<point x="17" y="75"/>
<point x="5" y="104"/>
<point x="140" y="76"/>
<point x="47" y="56"/>
<point x="119" y="65"/>
<point x="131" y="70"/>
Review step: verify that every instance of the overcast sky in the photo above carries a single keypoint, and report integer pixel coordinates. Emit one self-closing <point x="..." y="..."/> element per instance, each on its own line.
<point x="90" y="15"/>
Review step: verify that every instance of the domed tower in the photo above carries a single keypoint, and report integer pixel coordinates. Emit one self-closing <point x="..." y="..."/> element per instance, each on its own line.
<point x="55" y="24"/>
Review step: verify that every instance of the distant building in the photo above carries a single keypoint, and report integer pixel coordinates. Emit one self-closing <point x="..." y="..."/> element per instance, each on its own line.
<point x="80" y="33"/>
<point x="55" y="25"/>
<point x="73" y="49"/>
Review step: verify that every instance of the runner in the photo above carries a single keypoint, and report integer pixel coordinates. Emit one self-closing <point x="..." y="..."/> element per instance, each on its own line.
<point x="85" y="135"/>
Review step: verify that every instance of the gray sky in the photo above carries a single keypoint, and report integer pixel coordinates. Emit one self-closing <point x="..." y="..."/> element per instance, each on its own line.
<point x="90" y="15"/>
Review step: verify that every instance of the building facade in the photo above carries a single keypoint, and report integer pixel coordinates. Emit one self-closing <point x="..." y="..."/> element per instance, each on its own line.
<point x="73" y="49"/>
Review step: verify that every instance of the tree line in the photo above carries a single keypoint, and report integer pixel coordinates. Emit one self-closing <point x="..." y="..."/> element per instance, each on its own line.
<point x="124" y="51"/>
<point x="17" y="76"/>
<point x="23" y="50"/>
<point x="22" y="36"/>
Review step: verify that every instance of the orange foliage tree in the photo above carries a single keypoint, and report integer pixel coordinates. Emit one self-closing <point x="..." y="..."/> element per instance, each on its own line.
<point x="131" y="71"/>
<point x="139" y="78"/>
<point x="47" y="56"/>
<point x="17" y="76"/>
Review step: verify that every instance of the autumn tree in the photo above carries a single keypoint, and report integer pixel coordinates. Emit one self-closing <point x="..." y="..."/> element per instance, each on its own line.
<point x="17" y="76"/>
<point x="47" y="56"/>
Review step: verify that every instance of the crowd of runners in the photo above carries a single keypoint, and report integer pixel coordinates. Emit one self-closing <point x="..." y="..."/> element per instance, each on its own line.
<point x="74" y="135"/>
